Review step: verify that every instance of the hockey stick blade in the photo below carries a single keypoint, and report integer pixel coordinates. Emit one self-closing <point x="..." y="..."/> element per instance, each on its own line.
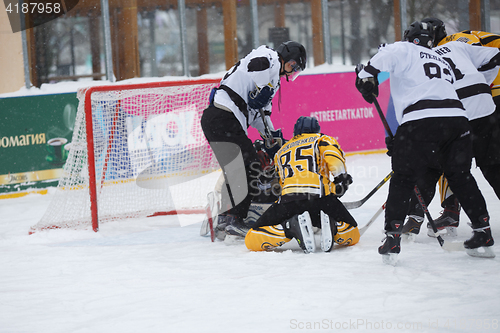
<point x="367" y="225"/>
<point x="359" y="203"/>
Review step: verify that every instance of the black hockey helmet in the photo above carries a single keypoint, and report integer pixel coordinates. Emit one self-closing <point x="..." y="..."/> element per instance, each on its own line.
<point x="306" y="125"/>
<point x="439" y="28"/>
<point x="295" y="52"/>
<point x="420" y="33"/>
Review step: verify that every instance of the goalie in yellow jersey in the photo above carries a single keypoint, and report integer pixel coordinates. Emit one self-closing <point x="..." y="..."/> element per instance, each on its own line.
<point x="305" y="166"/>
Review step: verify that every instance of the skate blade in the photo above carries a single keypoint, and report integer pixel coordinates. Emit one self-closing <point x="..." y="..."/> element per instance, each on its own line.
<point x="326" y="233"/>
<point x="390" y="259"/>
<point x="307" y="232"/>
<point x="409" y="237"/>
<point x="233" y="240"/>
<point x="481" y="252"/>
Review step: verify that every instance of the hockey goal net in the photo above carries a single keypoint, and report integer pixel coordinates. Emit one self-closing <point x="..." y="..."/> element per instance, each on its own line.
<point x="137" y="150"/>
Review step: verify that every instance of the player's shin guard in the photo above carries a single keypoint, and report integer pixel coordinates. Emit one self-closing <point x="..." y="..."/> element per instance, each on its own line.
<point x="347" y="235"/>
<point x="265" y="238"/>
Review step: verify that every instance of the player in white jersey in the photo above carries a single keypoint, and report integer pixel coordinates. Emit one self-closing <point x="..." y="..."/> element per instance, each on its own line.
<point x="475" y="69"/>
<point x="243" y="99"/>
<point x="433" y="134"/>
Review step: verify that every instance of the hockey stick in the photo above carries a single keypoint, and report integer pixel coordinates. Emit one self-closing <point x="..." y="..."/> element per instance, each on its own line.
<point x="359" y="203"/>
<point x="449" y="246"/>
<point x="266" y="126"/>
<point x="382" y="117"/>
<point x="367" y="225"/>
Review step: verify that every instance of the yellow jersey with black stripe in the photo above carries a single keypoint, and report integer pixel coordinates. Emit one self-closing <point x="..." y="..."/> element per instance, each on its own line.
<point x="480" y="38"/>
<point x="464" y="37"/>
<point x="490" y="40"/>
<point x="306" y="163"/>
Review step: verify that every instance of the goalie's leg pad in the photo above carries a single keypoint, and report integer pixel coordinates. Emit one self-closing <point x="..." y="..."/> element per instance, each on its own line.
<point x="347" y="235"/>
<point x="265" y="238"/>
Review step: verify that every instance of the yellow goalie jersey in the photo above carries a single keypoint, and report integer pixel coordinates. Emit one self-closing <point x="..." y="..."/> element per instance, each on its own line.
<point x="306" y="163"/>
<point x="480" y="38"/>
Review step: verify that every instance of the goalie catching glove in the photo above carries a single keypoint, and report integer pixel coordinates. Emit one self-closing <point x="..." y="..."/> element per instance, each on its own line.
<point x="342" y="183"/>
<point x="368" y="87"/>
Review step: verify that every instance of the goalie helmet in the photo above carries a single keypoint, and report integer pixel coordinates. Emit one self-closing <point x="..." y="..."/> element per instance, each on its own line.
<point x="439" y="28"/>
<point x="420" y="33"/>
<point x="306" y="125"/>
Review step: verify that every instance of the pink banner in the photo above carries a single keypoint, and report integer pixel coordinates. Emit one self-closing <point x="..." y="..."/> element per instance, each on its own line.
<point x="340" y="109"/>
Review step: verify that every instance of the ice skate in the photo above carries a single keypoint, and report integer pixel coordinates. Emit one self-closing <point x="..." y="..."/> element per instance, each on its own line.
<point x="220" y="223"/>
<point x="447" y="223"/>
<point x="392" y="243"/>
<point x="412" y="227"/>
<point x="328" y="230"/>
<point x="236" y="226"/>
<point x="300" y="228"/>
<point x="479" y="245"/>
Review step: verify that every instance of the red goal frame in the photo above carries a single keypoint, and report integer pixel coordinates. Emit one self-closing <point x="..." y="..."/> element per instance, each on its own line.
<point x="90" y="138"/>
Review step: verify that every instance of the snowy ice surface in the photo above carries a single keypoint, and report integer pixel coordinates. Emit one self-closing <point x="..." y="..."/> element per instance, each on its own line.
<point x="151" y="275"/>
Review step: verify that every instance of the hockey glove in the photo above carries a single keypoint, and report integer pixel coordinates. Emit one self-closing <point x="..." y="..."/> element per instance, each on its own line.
<point x="389" y="142"/>
<point x="274" y="143"/>
<point x="342" y="183"/>
<point x="368" y="87"/>
<point x="259" y="98"/>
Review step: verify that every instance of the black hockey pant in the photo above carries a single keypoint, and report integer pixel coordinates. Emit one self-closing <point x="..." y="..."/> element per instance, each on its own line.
<point x="227" y="139"/>
<point x="330" y="205"/>
<point x="425" y="148"/>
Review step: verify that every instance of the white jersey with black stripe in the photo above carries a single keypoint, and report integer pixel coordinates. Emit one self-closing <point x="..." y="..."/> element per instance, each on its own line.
<point x="261" y="67"/>
<point x="469" y="62"/>
<point x="421" y="81"/>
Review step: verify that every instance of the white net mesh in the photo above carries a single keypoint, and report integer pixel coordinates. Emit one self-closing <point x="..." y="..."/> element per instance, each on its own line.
<point x="150" y="156"/>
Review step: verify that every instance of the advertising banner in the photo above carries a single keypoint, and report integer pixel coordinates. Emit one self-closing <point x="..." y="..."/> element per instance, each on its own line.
<point x="340" y="109"/>
<point x="34" y="135"/>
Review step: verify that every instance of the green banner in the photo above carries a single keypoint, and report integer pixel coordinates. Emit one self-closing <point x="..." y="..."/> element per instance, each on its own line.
<point x="34" y="132"/>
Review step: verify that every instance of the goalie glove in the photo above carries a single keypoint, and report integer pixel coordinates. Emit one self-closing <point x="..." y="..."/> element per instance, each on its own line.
<point x="368" y="87"/>
<point x="342" y="183"/>
<point x="259" y="98"/>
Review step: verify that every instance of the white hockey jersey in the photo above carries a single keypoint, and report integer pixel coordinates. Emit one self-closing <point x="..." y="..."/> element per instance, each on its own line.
<point x="421" y="81"/>
<point x="469" y="62"/>
<point x="259" y="68"/>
